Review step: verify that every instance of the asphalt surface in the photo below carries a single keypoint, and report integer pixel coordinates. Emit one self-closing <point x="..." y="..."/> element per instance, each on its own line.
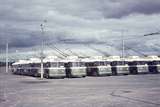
<point x="111" y="91"/>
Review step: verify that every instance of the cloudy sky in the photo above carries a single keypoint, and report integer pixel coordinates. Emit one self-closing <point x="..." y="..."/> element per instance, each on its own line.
<point x="89" y="24"/>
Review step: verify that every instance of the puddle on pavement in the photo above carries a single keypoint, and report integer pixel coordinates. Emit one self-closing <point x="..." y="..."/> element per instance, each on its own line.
<point x="34" y="82"/>
<point x="126" y="91"/>
<point x="2" y="100"/>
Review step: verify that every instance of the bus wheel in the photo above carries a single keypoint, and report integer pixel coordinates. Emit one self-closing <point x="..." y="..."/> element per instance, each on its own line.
<point x="114" y="73"/>
<point x="36" y="75"/>
<point x="95" y="73"/>
<point x="47" y="76"/>
<point x="83" y="76"/>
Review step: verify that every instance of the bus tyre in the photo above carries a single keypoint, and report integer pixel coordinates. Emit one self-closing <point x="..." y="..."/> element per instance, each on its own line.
<point x="36" y="75"/>
<point x="47" y="76"/>
<point x="114" y="73"/>
<point x="83" y="76"/>
<point x="95" y="73"/>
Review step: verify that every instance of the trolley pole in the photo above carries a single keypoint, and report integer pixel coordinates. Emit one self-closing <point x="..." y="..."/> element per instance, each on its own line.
<point x="7" y="57"/>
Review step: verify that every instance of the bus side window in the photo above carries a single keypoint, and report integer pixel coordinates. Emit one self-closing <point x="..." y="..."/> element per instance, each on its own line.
<point x="47" y="64"/>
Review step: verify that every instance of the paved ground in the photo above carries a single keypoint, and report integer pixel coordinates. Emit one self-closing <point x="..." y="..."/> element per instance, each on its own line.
<point x="113" y="91"/>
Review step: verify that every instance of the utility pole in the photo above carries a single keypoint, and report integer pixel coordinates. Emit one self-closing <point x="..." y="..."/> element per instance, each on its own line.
<point x="42" y="53"/>
<point x="7" y="56"/>
<point x="42" y="57"/>
<point x="123" y="48"/>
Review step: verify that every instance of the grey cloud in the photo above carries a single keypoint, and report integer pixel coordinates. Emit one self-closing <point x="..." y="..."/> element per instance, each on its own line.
<point x="93" y="9"/>
<point x="89" y="9"/>
<point x="75" y="21"/>
<point x="118" y="9"/>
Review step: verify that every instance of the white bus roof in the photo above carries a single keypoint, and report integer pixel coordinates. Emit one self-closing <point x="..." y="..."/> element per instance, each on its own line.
<point x="133" y="57"/>
<point x="21" y="62"/>
<point x="114" y="58"/>
<point x="16" y="63"/>
<point x="51" y="57"/>
<point x="91" y="60"/>
<point x="70" y="60"/>
<point x="34" y="60"/>
<point x="96" y="57"/>
<point x="152" y="57"/>
<point x="72" y="57"/>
